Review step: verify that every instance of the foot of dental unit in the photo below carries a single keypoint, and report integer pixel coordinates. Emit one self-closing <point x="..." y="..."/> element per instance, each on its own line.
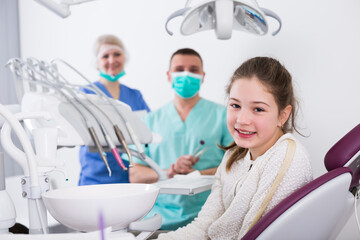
<point x="7" y="208"/>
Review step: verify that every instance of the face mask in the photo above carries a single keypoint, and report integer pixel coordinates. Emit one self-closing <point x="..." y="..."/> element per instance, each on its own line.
<point x="186" y="84"/>
<point x="112" y="78"/>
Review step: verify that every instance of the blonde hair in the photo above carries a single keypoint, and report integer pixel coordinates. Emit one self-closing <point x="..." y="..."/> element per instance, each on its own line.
<point x="108" y="39"/>
<point x="278" y="81"/>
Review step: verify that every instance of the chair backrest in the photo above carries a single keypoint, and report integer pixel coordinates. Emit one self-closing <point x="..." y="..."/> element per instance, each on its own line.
<point x="346" y="153"/>
<point x="321" y="208"/>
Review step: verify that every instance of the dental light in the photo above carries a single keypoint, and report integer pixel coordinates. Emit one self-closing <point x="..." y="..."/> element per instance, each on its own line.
<point x="223" y="16"/>
<point x="61" y="8"/>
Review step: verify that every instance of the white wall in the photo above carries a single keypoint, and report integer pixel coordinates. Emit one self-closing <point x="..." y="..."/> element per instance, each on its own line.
<point x="319" y="44"/>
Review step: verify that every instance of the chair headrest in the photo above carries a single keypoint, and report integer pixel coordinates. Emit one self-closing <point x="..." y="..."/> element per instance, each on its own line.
<point x="343" y="151"/>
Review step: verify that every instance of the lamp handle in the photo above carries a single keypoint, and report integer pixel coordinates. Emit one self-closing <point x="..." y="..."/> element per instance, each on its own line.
<point x="270" y="13"/>
<point x="177" y="13"/>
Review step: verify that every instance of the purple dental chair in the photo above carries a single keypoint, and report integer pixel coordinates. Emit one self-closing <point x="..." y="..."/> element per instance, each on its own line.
<point x="320" y="209"/>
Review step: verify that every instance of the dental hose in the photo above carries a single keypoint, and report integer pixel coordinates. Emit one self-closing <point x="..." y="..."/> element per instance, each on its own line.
<point x="128" y="126"/>
<point x="109" y="141"/>
<point x="90" y="128"/>
<point x="119" y="136"/>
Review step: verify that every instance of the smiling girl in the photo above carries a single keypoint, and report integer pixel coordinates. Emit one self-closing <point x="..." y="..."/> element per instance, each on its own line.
<point x="260" y="117"/>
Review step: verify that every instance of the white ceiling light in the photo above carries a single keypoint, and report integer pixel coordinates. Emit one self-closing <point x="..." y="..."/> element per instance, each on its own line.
<point x="223" y="16"/>
<point x="62" y="7"/>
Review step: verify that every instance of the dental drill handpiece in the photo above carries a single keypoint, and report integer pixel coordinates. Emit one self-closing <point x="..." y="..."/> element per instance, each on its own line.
<point x="119" y="135"/>
<point x="122" y="140"/>
<point x="91" y="130"/>
<point x="112" y="146"/>
<point x="118" y="132"/>
<point x="106" y="135"/>
<point x="109" y="141"/>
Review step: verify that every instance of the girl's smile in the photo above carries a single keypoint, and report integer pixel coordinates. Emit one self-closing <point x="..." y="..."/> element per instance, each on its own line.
<point x="253" y="117"/>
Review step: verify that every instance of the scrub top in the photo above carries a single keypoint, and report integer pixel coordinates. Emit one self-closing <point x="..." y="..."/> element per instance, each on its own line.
<point x="93" y="169"/>
<point x="205" y="122"/>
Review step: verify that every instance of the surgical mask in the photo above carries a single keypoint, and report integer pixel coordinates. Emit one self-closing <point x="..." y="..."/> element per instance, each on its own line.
<point x="186" y="84"/>
<point x="110" y="77"/>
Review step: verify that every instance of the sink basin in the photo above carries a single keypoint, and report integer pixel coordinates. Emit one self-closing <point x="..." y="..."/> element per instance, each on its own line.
<point x="79" y="207"/>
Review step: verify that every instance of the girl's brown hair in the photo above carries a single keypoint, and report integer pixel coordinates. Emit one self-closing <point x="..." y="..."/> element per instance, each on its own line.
<point x="278" y="82"/>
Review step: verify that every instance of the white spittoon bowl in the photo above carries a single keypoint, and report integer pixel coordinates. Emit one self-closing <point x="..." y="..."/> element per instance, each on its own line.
<point x="80" y="207"/>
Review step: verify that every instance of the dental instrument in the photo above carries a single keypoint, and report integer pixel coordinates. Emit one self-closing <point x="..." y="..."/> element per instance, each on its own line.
<point x="118" y="132"/>
<point x="103" y="129"/>
<point x="101" y="225"/>
<point x="223" y="16"/>
<point x="201" y="152"/>
<point x="129" y="128"/>
<point x="202" y="142"/>
<point x="80" y="111"/>
<point x="35" y="99"/>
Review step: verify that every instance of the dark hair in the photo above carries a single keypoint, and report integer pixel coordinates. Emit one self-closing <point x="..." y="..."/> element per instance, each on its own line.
<point x="278" y="81"/>
<point x="186" y="51"/>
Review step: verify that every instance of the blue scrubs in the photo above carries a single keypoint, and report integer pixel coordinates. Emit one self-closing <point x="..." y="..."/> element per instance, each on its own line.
<point x="93" y="169"/>
<point x="207" y="122"/>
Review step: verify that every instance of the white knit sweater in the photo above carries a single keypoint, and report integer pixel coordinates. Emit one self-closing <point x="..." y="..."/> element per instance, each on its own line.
<point x="237" y="195"/>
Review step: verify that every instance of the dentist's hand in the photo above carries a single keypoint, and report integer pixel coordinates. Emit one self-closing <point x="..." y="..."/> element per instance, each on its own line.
<point x="184" y="164"/>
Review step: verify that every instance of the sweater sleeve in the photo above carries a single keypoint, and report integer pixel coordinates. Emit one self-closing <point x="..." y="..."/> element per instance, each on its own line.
<point x="212" y="210"/>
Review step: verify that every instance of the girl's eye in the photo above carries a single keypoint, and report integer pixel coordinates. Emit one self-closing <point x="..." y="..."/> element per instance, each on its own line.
<point x="117" y="54"/>
<point x="234" y="105"/>
<point x="105" y="56"/>
<point x="258" y="110"/>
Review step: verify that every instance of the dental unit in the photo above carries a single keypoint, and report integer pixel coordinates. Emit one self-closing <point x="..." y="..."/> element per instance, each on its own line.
<point x="58" y="88"/>
<point x="119" y="134"/>
<point x="56" y="107"/>
<point x="221" y="15"/>
<point x="92" y="113"/>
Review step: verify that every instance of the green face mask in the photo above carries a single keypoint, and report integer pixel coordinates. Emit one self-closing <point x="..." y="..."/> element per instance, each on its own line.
<point x="186" y="84"/>
<point x="112" y="78"/>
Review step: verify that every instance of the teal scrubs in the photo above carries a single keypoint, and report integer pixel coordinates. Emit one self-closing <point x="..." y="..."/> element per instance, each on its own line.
<point x="206" y="122"/>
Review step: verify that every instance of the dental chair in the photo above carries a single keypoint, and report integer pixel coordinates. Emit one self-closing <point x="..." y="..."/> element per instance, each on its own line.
<point x="320" y="209"/>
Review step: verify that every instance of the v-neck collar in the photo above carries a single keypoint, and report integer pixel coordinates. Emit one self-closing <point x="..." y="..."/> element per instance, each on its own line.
<point x="104" y="89"/>
<point x="189" y="117"/>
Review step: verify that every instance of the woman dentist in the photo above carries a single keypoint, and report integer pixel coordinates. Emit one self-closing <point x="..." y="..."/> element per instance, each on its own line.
<point x="111" y="58"/>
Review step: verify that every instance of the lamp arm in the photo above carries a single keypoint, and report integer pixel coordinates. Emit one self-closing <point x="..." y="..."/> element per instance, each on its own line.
<point x="272" y="14"/>
<point x="177" y="13"/>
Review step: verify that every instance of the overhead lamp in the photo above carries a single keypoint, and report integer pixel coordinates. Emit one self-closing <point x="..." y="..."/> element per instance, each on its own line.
<point x="61" y="8"/>
<point x="223" y="16"/>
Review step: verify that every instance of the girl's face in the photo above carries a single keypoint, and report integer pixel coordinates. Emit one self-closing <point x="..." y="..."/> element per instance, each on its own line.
<point x="111" y="61"/>
<point x="253" y="117"/>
